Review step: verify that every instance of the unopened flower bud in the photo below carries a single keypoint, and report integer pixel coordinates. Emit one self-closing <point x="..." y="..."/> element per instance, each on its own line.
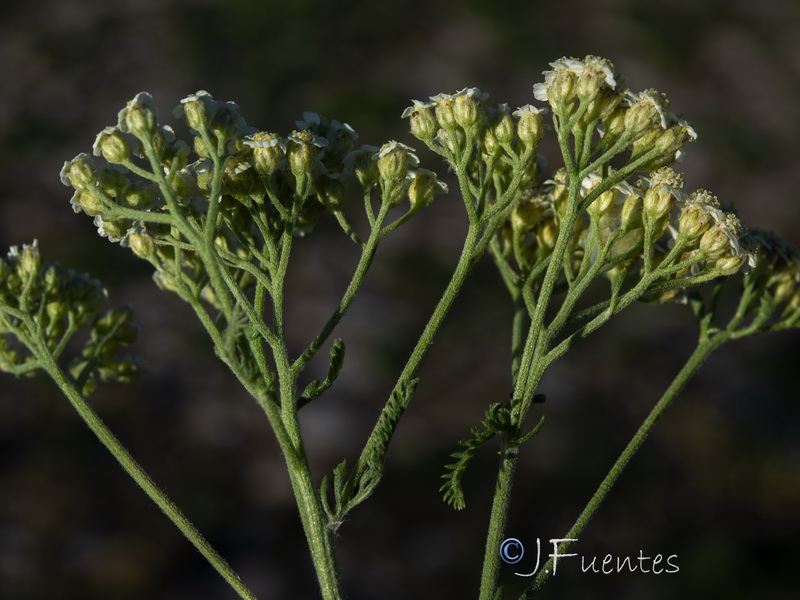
<point x="79" y="172"/>
<point x="490" y="144"/>
<point x="467" y="109"/>
<point x="632" y="212"/>
<point x="729" y="265"/>
<point x="562" y="89"/>
<point x="52" y="279"/>
<point x="614" y="125"/>
<point x="394" y="160"/>
<point x="693" y="222"/>
<point x="142" y="245"/>
<point x="201" y="148"/>
<point x="89" y="202"/>
<point x="648" y="111"/>
<point x="363" y="164"/>
<point x="268" y="152"/>
<point x="525" y="216"/>
<point x="529" y="127"/>
<point x="195" y="109"/>
<point x="503" y="127"/>
<point x="139" y="117"/>
<point x="445" y="114"/>
<point x="421" y="120"/>
<point x="547" y="235"/>
<point x="138" y="196"/>
<point x="424" y="186"/>
<point x="226" y="123"/>
<point x="302" y="151"/>
<point x="715" y="241"/>
<point x="114" y="230"/>
<point x="658" y="200"/>
<point x="784" y="288"/>
<point x="330" y="191"/>
<point x="30" y="261"/>
<point x="111" y="145"/>
<point x="239" y="177"/>
<point x="56" y="310"/>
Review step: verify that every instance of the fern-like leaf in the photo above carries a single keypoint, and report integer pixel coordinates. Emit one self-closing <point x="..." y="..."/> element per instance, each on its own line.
<point x="497" y="421"/>
<point x="316" y="387"/>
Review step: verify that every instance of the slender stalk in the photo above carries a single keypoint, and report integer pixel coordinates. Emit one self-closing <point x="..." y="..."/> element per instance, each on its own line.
<point x="692" y="365"/>
<point x="137" y="473"/>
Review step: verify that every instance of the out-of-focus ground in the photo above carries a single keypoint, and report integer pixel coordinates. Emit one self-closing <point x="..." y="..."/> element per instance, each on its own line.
<point x="717" y="484"/>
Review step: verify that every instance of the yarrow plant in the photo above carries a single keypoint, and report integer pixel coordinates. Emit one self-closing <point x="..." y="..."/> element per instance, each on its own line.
<point x="217" y="216"/>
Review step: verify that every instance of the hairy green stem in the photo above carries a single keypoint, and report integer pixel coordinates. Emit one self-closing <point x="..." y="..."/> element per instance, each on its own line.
<point x="137" y="473"/>
<point x="692" y="365"/>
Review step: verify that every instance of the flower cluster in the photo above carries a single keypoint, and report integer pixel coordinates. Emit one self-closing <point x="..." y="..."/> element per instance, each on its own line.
<point x="244" y="187"/>
<point x="776" y="275"/>
<point x="653" y="215"/>
<point x="453" y="122"/>
<point x="590" y="92"/>
<point x="44" y="301"/>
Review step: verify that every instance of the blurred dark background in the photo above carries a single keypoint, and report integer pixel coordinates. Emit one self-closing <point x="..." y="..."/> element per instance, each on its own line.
<point x="717" y="484"/>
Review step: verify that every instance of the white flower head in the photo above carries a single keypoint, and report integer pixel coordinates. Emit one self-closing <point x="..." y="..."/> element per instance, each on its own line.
<point x="306" y="137"/>
<point x="264" y="139"/>
<point x="310" y="120"/>
<point x="527" y="109"/>
<point x="394" y="146"/>
<point x="416" y="106"/>
<point x="541" y="91"/>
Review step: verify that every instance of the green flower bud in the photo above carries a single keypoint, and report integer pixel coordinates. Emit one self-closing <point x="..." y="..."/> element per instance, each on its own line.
<point x="614" y="125"/>
<point x="30" y="262"/>
<point x="201" y="148"/>
<point x="715" y="242"/>
<point x="529" y="127"/>
<point x="142" y="245"/>
<point x="421" y="120"/>
<point x="139" y="117"/>
<point x="489" y="143"/>
<point x="112" y="145"/>
<point x="729" y="265"/>
<point x="139" y="196"/>
<point x="658" y="200"/>
<point x="4" y="270"/>
<point x="56" y="310"/>
<point x="547" y="234"/>
<point x="525" y="216"/>
<point x="632" y="212"/>
<point x="424" y="186"/>
<point x="88" y="201"/>
<point x="444" y="110"/>
<point x="503" y="127"/>
<point x="648" y="111"/>
<point x="467" y="108"/>
<point x="330" y="191"/>
<point x="195" y="109"/>
<point x="52" y="280"/>
<point x="240" y="178"/>
<point x="363" y="164"/>
<point x="226" y="123"/>
<point x="394" y="160"/>
<point x="268" y="150"/>
<point x="79" y="172"/>
<point x="114" y="229"/>
<point x="302" y="151"/>
<point x="693" y="222"/>
<point x="562" y="89"/>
